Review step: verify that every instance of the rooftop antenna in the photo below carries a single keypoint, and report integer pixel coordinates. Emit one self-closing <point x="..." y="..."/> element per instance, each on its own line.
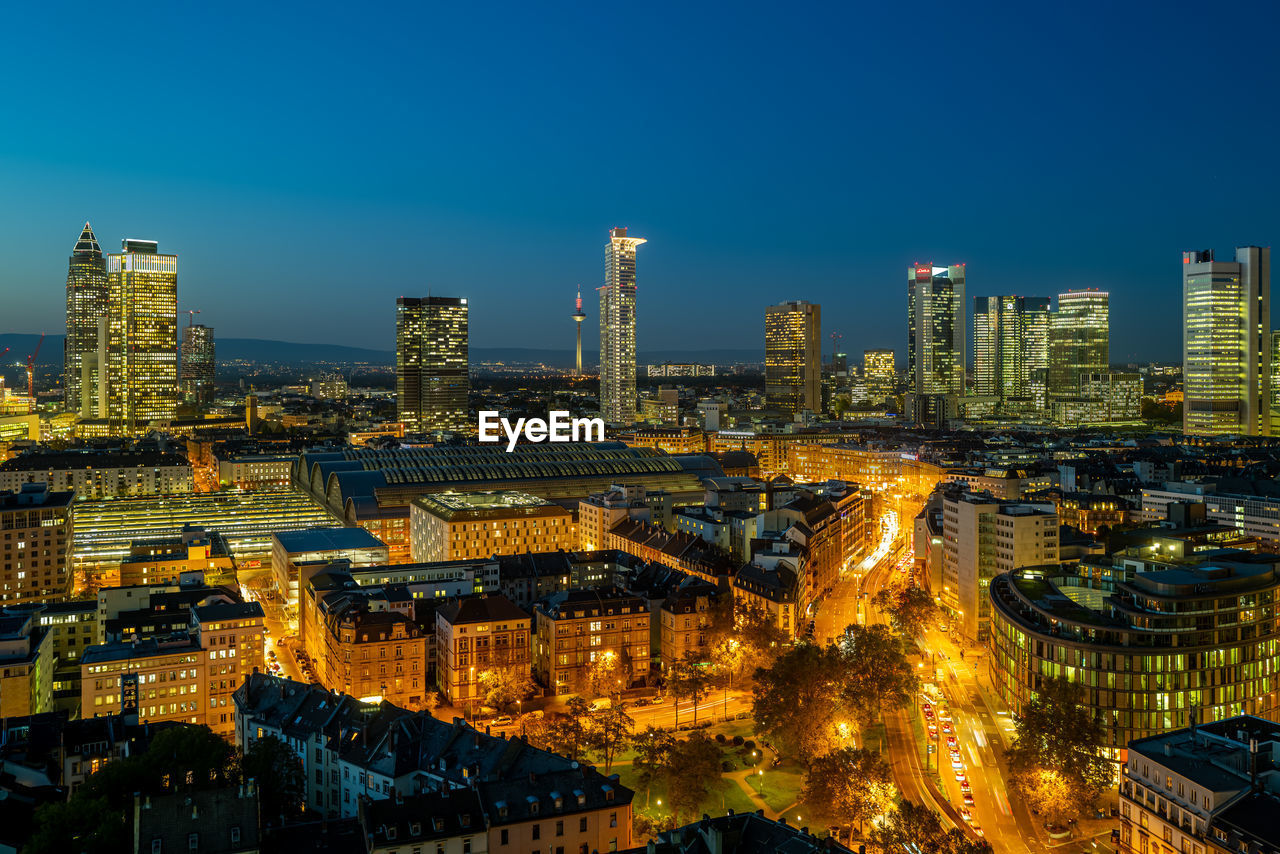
<point x="578" y="317"/>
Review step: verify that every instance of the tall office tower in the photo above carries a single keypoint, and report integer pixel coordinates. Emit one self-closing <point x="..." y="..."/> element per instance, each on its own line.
<point x="880" y="372"/>
<point x="1226" y="342"/>
<point x="793" y="356"/>
<point x="936" y="337"/>
<point x="1275" y="382"/>
<point x="1010" y="339"/>
<point x="142" y="336"/>
<point x="86" y="305"/>
<point x="198" y="363"/>
<point x="1079" y="341"/>
<point x="432" y="381"/>
<point x="578" y="317"/>
<point x="1035" y="350"/>
<point x="618" y="329"/>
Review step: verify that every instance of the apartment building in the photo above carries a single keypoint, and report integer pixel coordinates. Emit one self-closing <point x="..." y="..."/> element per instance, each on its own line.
<point x="582" y="634"/>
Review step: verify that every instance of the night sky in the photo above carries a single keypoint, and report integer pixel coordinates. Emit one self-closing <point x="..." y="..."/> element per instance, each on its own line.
<point x="311" y="163"/>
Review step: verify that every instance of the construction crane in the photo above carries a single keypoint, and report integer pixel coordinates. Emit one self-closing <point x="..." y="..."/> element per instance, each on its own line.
<point x="836" y="338"/>
<point x="31" y="375"/>
<point x="191" y="317"/>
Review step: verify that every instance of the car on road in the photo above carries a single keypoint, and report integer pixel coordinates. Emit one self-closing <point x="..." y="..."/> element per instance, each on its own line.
<point x="964" y="786"/>
<point x="966" y="815"/>
<point x="960" y="777"/>
<point x="976" y="829"/>
<point x="504" y="720"/>
<point x="952" y="742"/>
<point x="947" y="728"/>
<point x="956" y="764"/>
<point x="967" y="798"/>
<point x="658" y="700"/>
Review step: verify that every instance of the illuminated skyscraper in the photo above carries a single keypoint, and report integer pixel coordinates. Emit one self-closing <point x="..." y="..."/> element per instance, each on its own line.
<point x="618" y="329"/>
<point x="793" y="356"/>
<point x="880" y="372"/>
<point x="1079" y="341"/>
<point x="1035" y="350"/>
<point x="1010" y="340"/>
<point x="432" y="354"/>
<point x="1226" y="343"/>
<point x="197" y="364"/>
<point x="142" y="336"/>
<point x="936" y="338"/>
<point x="86" y="306"/>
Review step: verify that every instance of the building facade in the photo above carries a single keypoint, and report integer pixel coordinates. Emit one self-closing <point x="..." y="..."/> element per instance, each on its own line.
<point x="37" y="531"/>
<point x="880" y="372"/>
<point x="937" y="334"/>
<point x="1079" y="341"/>
<point x="198" y="364"/>
<point x="467" y="525"/>
<point x="432" y="359"/>
<point x="97" y="474"/>
<point x="475" y="634"/>
<point x="592" y="642"/>
<point x="982" y="538"/>
<point x="142" y="337"/>
<point x="793" y="356"/>
<point x="1226" y="343"/>
<point x="618" y="329"/>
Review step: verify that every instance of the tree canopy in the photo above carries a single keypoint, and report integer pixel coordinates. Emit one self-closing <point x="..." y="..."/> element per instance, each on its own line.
<point x="1057" y="757"/>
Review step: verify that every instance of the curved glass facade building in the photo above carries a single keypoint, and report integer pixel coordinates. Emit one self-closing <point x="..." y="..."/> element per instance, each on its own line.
<point x="1147" y="646"/>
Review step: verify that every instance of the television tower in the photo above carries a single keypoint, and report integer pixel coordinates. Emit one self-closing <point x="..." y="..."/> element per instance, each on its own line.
<point x="578" y="316"/>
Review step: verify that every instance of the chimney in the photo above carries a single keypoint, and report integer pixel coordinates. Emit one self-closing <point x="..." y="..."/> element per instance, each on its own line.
<point x="1253" y="764"/>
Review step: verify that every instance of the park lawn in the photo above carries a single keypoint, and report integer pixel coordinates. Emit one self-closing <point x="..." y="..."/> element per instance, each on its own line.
<point x="725" y="795"/>
<point x="782" y="786"/>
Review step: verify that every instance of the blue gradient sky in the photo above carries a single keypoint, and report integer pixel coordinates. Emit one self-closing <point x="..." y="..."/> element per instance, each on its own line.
<point x="309" y="163"/>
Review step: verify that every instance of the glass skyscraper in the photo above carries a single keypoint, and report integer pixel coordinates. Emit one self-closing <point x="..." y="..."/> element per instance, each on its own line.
<point x="618" y="329"/>
<point x="1010" y="342"/>
<point x="1079" y="341"/>
<point x="793" y="356"/>
<point x="197" y="364"/>
<point x="1226" y="343"/>
<point x="86" y="306"/>
<point x="936" y="335"/>
<point x="142" y="336"/>
<point x="432" y="360"/>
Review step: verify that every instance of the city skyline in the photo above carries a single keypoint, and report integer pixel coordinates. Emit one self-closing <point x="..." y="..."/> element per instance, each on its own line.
<point x="1097" y="182"/>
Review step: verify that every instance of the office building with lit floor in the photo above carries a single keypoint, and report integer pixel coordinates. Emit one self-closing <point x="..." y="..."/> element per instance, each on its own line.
<point x="618" y="329"/>
<point x="142" y="337"/>
<point x="432" y="358"/>
<point x="460" y="525"/>
<point x="1226" y="343"/>
<point x="1147" y="644"/>
<point x="793" y="356"/>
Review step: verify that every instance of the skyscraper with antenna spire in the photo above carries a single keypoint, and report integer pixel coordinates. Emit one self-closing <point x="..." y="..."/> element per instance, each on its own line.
<point x="578" y="317"/>
<point x="86" y="307"/>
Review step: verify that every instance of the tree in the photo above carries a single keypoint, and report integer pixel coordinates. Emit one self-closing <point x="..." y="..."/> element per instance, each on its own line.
<point x="874" y="672"/>
<point x="849" y="784"/>
<point x="608" y="731"/>
<point x="278" y="773"/>
<point x="431" y="701"/>
<point x="914" y="827"/>
<point x="1057" y="756"/>
<point x="692" y="769"/>
<point x="503" y="688"/>
<point x="761" y="637"/>
<point x="688" y="679"/>
<point x="603" y="674"/>
<point x="566" y="733"/>
<point x="88" y="825"/>
<point x="908" y="607"/>
<point x="653" y="752"/>
<point x="727" y="658"/>
<point x="795" y="702"/>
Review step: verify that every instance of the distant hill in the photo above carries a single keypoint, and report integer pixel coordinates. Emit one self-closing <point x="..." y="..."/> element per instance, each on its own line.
<point x="265" y="350"/>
